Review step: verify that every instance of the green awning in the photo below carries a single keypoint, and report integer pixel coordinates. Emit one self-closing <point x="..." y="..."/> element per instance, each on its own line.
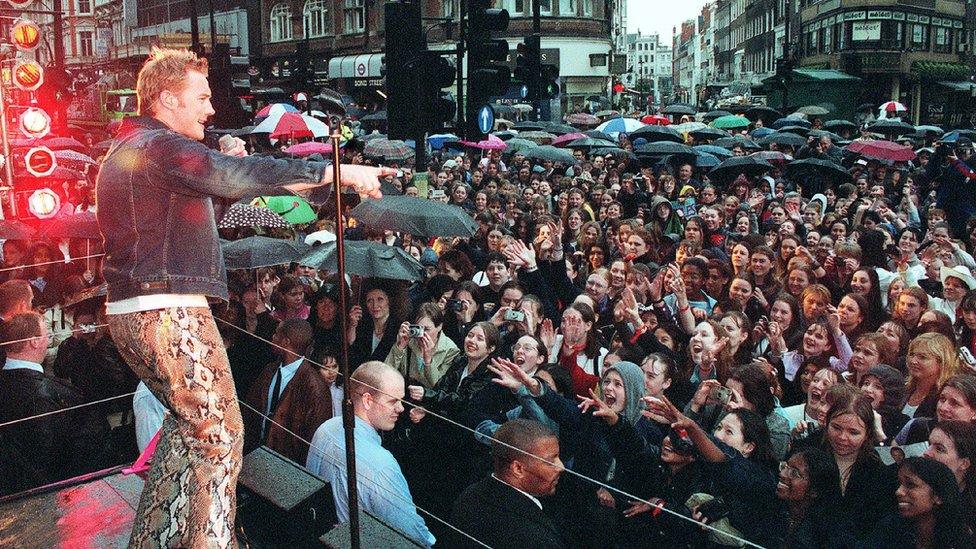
<point x="963" y="86"/>
<point x="940" y="71"/>
<point x="823" y="75"/>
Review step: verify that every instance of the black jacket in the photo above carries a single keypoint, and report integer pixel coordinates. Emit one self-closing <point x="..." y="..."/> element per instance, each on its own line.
<point x="51" y="448"/>
<point x="499" y="516"/>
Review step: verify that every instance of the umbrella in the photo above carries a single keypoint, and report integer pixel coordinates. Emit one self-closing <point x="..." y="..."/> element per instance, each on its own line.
<point x="101" y="146"/>
<point x="590" y="143"/>
<point x="367" y="259"/>
<point x="550" y="153"/>
<point x="759" y="133"/>
<point x="773" y="157"/>
<point x="562" y="140"/>
<point x="926" y="130"/>
<point x="954" y="135"/>
<point x="705" y="160"/>
<point x="294" y="209"/>
<point x="62" y="143"/>
<point x="864" y="107"/>
<point x="891" y="127"/>
<point x="825" y="168"/>
<point x="882" y="150"/>
<point x="11" y="229"/>
<point x="892" y="107"/>
<point x="763" y="113"/>
<point x="502" y="111"/>
<point x="679" y="109"/>
<point x="246" y="215"/>
<point x="390" y="150"/>
<point x="491" y="143"/>
<point x="539" y="137"/>
<point x="60" y="173"/>
<point x="718" y="113"/>
<point x="784" y="122"/>
<point x="813" y="110"/>
<point x="68" y="156"/>
<point x="85" y="294"/>
<point x="784" y="139"/>
<point x="372" y="136"/>
<point x="438" y="140"/>
<point x="720" y="152"/>
<point x="824" y="133"/>
<point x="731" y="121"/>
<point x="559" y="129"/>
<point x="309" y="147"/>
<point x="415" y="216"/>
<point x="620" y="125"/>
<point x="655" y="120"/>
<point x="839" y="125"/>
<point x="662" y="148"/>
<point x="522" y="107"/>
<point x="378" y="116"/>
<point x="597" y="134"/>
<point x="289" y="124"/>
<point x="731" y="168"/>
<point x="615" y="151"/>
<point x="657" y="133"/>
<point x="275" y="109"/>
<point x="582" y="119"/>
<point x="709" y="134"/>
<point x="736" y="141"/>
<point x="254" y="252"/>
<point x="529" y="126"/>
<point x="79" y="225"/>
<point x="798" y="130"/>
<point x="331" y="100"/>
<point x="518" y="144"/>
<point x="241" y="132"/>
<point x="688" y="127"/>
<point x="606" y="114"/>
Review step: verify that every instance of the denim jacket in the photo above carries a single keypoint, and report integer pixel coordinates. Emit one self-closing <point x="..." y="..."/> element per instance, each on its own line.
<point x="156" y="193"/>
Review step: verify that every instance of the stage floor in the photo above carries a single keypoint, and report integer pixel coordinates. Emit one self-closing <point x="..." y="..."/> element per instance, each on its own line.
<point x="97" y="514"/>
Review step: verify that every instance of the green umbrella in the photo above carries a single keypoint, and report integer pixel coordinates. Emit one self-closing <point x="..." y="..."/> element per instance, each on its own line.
<point x="729" y="122"/>
<point x="518" y="144"/>
<point x="295" y="210"/>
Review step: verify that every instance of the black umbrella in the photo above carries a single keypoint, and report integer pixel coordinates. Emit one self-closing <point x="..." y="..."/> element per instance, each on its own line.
<point x="662" y="148"/>
<point x="331" y="101"/>
<point x="720" y="152"/>
<point x="79" y="225"/>
<point x="763" y="113"/>
<point x="783" y="139"/>
<point x="529" y="126"/>
<point x="242" y="132"/>
<point x="718" y="113"/>
<point x="790" y="121"/>
<point x="260" y="251"/>
<point x="839" y="125"/>
<point x="11" y="229"/>
<point x="679" y="109"/>
<point x="246" y="215"/>
<point x="617" y="152"/>
<point x="731" y="168"/>
<point x="705" y="160"/>
<point x="817" y="166"/>
<point x="85" y="294"/>
<point x="378" y="116"/>
<point x="798" y="130"/>
<point x="821" y="133"/>
<point x="550" y="153"/>
<point x="736" y="141"/>
<point x="367" y="259"/>
<point x="559" y="129"/>
<point x="865" y="107"/>
<point x="657" y="133"/>
<point x="891" y="127"/>
<point x="589" y="143"/>
<point x="597" y="134"/>
<point x="415" y="216"/>
<point x="709" y="134"/>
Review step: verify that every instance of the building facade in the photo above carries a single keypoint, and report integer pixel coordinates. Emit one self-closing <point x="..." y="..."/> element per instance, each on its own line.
<point x="649" y="65"/>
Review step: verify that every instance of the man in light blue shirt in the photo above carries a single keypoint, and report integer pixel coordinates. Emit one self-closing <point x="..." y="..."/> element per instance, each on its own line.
<point x="377" y="393"/>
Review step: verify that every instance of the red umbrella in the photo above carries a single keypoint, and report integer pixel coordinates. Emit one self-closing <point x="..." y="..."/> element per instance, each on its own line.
<point x="656" y="120"/>
<point x="309" y="147"/>
<point x="492" y="143"/>
<point x="562" y="140"/>
<point x="291" y="125"/>
<point x="882" y="150"/>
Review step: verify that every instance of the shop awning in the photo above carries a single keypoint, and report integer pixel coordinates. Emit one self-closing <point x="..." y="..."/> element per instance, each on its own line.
<point x="963" y="86"/>
<point x="366" y="65"/>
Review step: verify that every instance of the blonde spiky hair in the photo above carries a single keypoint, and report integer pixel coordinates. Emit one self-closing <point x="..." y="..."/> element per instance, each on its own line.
<point x="165" y="70"/>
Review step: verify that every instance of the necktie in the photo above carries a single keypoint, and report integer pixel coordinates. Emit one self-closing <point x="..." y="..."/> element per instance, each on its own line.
<point x="273" y="403"/>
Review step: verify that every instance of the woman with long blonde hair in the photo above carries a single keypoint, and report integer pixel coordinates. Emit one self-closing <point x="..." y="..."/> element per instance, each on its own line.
<point x="932" y="359"/>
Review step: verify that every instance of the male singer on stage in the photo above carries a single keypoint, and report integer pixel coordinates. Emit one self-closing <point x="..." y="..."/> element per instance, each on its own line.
<point x="156" y="190"/>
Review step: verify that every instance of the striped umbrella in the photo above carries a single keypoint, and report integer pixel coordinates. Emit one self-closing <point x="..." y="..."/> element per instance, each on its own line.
<point x="542" y="138"/>
<point x="620" y="125"/>
<point x="391" y="150"/>
<point x="582" y="119"/>
<point x="276" y="109"/>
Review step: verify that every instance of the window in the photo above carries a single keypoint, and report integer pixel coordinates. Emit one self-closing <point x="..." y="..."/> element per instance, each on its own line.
<point x="354" y="16"/>
<point x="545" y="7"/>
<point x="919" y="39"/>
<point x="587" y="8"/>
<point x="85" y="44"/>
<point x="84" y="6"/>
<point x="315" y="18"/>
<point x="449" y="8"/>
<point x="280" y="20"/>
<point x="567" y="8"/>
<point x="943" y="40"/>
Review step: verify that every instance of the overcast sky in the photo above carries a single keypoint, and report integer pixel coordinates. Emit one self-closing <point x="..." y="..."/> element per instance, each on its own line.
<point x="660" y="16"/>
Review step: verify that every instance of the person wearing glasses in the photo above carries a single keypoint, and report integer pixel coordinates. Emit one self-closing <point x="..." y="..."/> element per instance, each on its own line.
<point x="809" y="485"/>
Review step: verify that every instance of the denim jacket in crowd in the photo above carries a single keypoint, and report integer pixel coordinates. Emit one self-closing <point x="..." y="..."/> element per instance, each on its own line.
<point x="156" y="191"/>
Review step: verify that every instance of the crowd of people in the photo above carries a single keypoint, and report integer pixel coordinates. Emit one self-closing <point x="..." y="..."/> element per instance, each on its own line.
<point x="789" y="361"/>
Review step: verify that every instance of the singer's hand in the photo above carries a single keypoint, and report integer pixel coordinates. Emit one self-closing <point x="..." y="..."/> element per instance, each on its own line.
<point x="365" y="180"/>
<point x="237" y="148"/>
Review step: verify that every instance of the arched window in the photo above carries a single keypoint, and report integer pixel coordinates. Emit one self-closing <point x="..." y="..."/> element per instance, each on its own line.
<point x="315" y="18"/>
<point x="280" y="22"/>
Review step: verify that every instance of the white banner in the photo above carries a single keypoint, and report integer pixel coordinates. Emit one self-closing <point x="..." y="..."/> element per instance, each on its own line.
<point x="869" y="30"/>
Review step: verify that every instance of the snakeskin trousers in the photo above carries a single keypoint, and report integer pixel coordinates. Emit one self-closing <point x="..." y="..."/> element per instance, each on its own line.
<point x="189" y="499"/>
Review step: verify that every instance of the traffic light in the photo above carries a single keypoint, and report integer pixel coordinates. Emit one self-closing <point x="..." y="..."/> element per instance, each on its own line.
<point x="434" y="107"/>
<point x="44" y="203"/>
<point x="35" y="123"/>
<point x="404" y="44"/>
<point x="488" y="76"/>
<point x="28" y="75"/>
<point x="528" y="66"/>
<point x="549" y="81"/>
<point x="40" y="161"/>
<point x="25" y="35"/>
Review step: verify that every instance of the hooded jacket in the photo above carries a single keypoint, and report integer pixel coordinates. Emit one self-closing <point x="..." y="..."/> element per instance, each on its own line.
<point x="671" y="225"/>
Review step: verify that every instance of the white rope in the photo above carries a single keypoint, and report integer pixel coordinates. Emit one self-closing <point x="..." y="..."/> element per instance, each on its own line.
<point x="82" y="328"/>
<point x="68" y="409"/>
<point x="60" y="261"/>
<point x="521" y="451"/>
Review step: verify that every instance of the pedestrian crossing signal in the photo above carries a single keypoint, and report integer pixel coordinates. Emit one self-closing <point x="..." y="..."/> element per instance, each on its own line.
<point x="25" y="35"/>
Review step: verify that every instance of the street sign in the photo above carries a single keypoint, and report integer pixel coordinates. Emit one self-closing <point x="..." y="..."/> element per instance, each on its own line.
<point x="361" y="69"/>
<point x="524" y="91"/>
<point x="486" y="119"/>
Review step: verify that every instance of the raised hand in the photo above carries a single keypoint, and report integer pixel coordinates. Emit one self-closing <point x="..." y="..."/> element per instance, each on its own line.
<point x="365" y="180"/>
<point x="507" y="374"/>
<point x="403" y="336"/>
<point x="415" y="392"/>
<point x="417" y="414"/>
<point x="427" y="347"/>
<point x="600" y="408"/>
<point x="547" y="333"/>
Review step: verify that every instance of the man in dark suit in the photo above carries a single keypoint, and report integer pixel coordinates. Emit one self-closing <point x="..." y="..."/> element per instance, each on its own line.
<point x="292" y="391"/>
<point x="16" y="296"/>
<point x="503" y="510"/>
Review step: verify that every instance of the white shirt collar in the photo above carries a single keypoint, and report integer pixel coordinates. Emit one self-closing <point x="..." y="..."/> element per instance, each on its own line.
<point x="534" y="499"/>
<point x="14" y="364"/>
